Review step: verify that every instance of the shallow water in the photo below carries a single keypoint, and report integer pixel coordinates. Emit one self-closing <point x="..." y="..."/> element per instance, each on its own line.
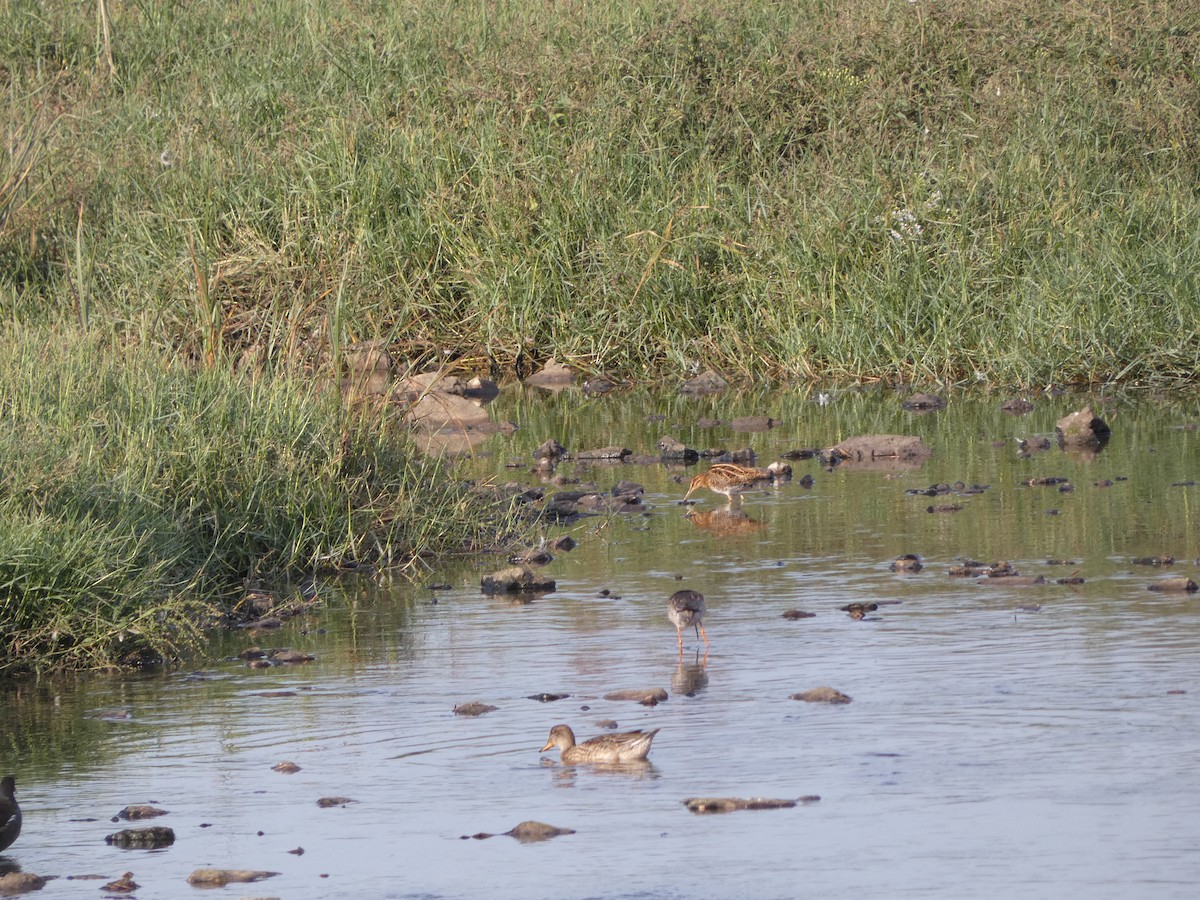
<point x="1002" y="740"/>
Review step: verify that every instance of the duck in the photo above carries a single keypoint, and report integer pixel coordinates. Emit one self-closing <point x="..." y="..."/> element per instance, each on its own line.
<point x="10" y="813"/>
<point x="629" y="746"/>
<point x="730" y="479"/>
<point x="686" y="608"/>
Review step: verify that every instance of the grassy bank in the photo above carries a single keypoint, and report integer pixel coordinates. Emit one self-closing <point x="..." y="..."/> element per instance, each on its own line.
<point x="140" y="497"/>
<point x="951" y="190"/>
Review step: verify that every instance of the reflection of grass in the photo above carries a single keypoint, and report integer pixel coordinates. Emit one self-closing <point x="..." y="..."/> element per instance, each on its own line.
<point x="471" y="177"/>
<point x="136" y="490"/>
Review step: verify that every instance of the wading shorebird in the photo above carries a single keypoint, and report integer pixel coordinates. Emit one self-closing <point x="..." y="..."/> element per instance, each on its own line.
<point x="729" y="479"/>
<point x="10" y="812"/>
<point x="687" y="608"/>
<point x="629" y="746"/>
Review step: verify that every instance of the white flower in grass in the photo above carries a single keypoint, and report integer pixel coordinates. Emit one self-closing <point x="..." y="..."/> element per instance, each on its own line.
<point x="904" y="226"/>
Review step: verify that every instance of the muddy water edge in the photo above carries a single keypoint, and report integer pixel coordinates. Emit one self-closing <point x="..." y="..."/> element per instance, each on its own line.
<point x="1002" y="735"/>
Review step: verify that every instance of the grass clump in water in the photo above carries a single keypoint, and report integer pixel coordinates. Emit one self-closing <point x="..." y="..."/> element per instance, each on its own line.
<point x="139" y="495"/>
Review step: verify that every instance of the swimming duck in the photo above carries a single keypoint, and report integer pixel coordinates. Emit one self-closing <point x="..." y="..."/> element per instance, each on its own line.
<point x="10" y="813"/>
<point x="629" y="746"/>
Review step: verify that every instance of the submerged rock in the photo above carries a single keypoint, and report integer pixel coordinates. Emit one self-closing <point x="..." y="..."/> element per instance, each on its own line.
<point x="518" y="578"/>
<point x="140" y="811"/>
<point x="798" y="614"/>
<point x="473" y="709"/>
<point x="142" y="838"/>
<point x="909" y="562"/>
<point x="221" y="877"/>
<point x="823" y="694"/>
<point x="753" y="423"/>
<point x="526" y="832"/>
<point x="731" y="804"/>
<point x="879" y="451"/>
<point x="13" y="883"/>
<point x="1175" y="585"/>
<point x="644" y="696"/>
<point x="330" y="802"/>
<point x="285" y="768"/>
<point x="675" y="451"/>
<point x="923" y="402"/>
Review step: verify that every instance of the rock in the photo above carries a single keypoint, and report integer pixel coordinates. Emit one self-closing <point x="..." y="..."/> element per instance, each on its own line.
<point x="730" y="804"/>
<point x="286" y="656"/>
<point x="753" y="423"/>
<point x="1173" y="585"/>
<point x="566" y="543"/>
<point x="134" y="813"/>
<point x="909" y="562"/>
<point x="526" y="832"/>
<point x="534" y="556"/>
<point x="613" y="454"/>
<point x="647" y="697"/>
<point x="798" y="614"/>
<point x="822" y="694"/>
<point x="285" y="768"/>
<point x="707" y="383"/>
<point x="1153" y="561"/>
<point x="123" y="885"/>
<point x="599" y="385"/>
<point x="221" y="877"/>
<point x="550" y="449"/>
<point x="923" y="402"/>
<point x="473" y="709"/>
<point x="675" y="451"/>
<point x="481" y="389"/>
<point x="879" y="451"/>
<point x="780" y="472"/>
<point x="553" y="376"/>
<point x="330" y="802"/>
<point x="546" y="697"/>
<point x="368" y="369"/>
<point x="514" y="579"/>
<point x="437" y="410"/>
<point x="1017" y="406"/>
<point x="142" y="838"/>
<point x="1081" y="428"/>
<point x="13" y="883"/>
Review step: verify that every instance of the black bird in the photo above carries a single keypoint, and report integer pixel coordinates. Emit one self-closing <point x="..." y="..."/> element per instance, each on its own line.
<point x="10" y="813"/>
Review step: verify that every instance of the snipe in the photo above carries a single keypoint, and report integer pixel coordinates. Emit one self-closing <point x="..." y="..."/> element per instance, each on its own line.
<point x="730" y="479"/>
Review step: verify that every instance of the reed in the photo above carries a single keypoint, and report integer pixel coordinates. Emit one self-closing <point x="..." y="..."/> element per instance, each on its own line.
<point x="141" y="495"/>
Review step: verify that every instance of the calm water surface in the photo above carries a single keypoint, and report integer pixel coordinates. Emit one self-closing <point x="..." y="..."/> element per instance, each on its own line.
<point x="1033" y="741"/>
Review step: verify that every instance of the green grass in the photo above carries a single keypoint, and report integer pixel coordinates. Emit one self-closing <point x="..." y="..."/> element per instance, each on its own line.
<point x="638" y="186"/>
<point x="140" y="497"/>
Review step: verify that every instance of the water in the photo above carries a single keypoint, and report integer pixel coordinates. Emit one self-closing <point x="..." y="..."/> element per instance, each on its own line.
<point x="1002" y="740"/>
